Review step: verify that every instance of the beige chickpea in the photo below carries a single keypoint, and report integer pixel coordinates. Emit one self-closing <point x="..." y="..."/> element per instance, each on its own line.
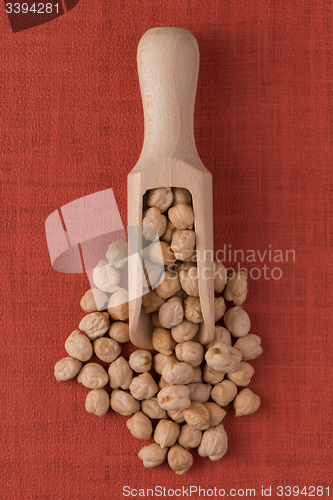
<point x="166" y="433"/>
<point x="186" y="330"/>
<point x="160" y="360"/>
<point x="176" y="415"/>
<point x="249" y="346"/>
<point x="179" y="459"/>
<point x="152" y="302"/>
<point x="153" y="274"/>
<point x="123" y="403"/>
<point x="236" y="289"/>
<point x="224" y="392"/>
<point x="141" y="360"/>
<point x="162" y="383"/>
<point x="223" y="357"/>
<point x="177" y="372"/>
<point x="242" y="377"/>
<point x="117" y="253"/>
<point x="160" y="253"/>
<point x="221" y="334"/>
<point x="199" y="391"/>
<point x="174" y="397"/>
<point x="216" y="413"/>
<point x="140" y="426"/>
<point x="168" y="233"/>
<point x="94" y="300"/>
<point x="181" y="195"/>
<point x="152" y="455"/>
<point x="190" y="352"/>
<point x="237" y="321"/>
<point x="171" y="313"/>
<point x="169" y="286"/>
<point x="211" y="375"/>
<point x="189" y="281"/>
<point x="163" y="341"/>
<point x="197" y="416"/>
<point x="106" y="349"/>
<point x="152" y="409"/>
<point x="93" y="376"/>
<point x="95" y="324"/>
<point x="106" y="277"/>
<point x="154" y="224"/>
<point x="143" y="386"/>
<point x="120" y="374"/>
<point x="220" y="276"/>
<point x="192" y="309"/>
<point x="181" y="216"/>
<point x="219" y="308"/>
<point x="155" y="319"/>
<point x="189" y="437"/>
<point x="246" y="403"/>
<point x="183" y="243"/>
<point x="197" y="374"/>
<point x="118" y="305"/>
<point x="160" y="198"/>
<point x="119" y="331"/>
<point x="214" y="443"/>
<point x="66" y="369"/>
<point x="78" y="346"/>
<point x="97" y="402"/>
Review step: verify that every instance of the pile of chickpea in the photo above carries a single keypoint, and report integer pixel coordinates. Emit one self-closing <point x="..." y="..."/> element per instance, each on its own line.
<point x="188" y="382"/>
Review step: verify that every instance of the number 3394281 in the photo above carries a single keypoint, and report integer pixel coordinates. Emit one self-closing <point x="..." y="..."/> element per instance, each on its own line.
<point x="37" y="8"/>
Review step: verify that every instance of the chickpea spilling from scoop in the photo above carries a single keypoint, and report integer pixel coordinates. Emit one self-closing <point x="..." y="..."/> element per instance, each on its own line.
<point x="192" y="380"/>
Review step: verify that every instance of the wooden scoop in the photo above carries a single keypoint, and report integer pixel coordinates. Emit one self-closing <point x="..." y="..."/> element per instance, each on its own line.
<point x="168" y="65"/>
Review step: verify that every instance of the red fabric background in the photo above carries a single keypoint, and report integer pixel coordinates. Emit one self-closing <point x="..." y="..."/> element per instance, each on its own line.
<point x="72" y="124"/>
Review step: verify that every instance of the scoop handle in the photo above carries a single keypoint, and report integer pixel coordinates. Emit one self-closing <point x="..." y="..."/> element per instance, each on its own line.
<point x="168" y="66"/>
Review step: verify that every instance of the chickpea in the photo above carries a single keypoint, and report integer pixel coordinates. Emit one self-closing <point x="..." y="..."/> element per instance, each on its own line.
<point x="106" y="349"/>
<point x="199" y="391"/>
<point x="221" y="334"/>
<point x="97" y="402"/>
<point x="160" y="253"/>
<point x="160" y="360"/>
<point x="171" y="313"/>
<point x="224" y="392"/>
<point x="242" y="377"/>
<point x="175" y="372"/>
<point x="94" y="300"/>
<point x="216" y="413"/>
<point x="174" y="397"/>
<point x="143" y="386"/>
<point x="118" y="305"/>
<point x="246" y="403"/>
<point x="140" y="361"/>
<point x="166" y="433"/>
<point x="95" y="324"/>
<point x="179" y="459"/>
<point x="154" y="224"/>
<point x="79" y="346"/>
<point x="190" y="352"/>
<point x="211" y="375"/>
<point x="236" y="289"/>
<point x="220" y="274"/>
<point x="120" y="374"/>
<point x="169" y="286"/>
<point x="192" y="309"/>
<point x="155" y="319"/>
<point x="153" y="274"/>
<point x="152" y="409"/>
<point x="237" y="321"/>
<point x="66" y="369"/>
<point x="176" y="415"/>
<point x="223" y="357"/>
<point x="197" y="374"/>
<point x="249" y="346"/>
<point x="93" y="376"/>
<point x="214" y="443"/>
<point x="189" y="437"/>
<point x="183" y="243"/>
<point x="117" y="253"/>
<point x="140" y="426"/>
<point x="106" y="277"/>
<point x="152" y="302"/>
<point x="197" y="416"/>
<point x="181" y="195"/>
<point x="186" y="330"/>
<point x="219" y="307"/>
<point x="163" y="341"/>
<point x="189" y="281"/>
<point x="152" y="455"/>
<point x="160" y="198"/>
<point x="169" y="230"/>
<point x="123" y="402"/>
<point x="119" y="331"/>
<point x="181" y="216"/>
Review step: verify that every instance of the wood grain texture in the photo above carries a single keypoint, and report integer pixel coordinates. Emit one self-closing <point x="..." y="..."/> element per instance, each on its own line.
<point x="168" y="65"/>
